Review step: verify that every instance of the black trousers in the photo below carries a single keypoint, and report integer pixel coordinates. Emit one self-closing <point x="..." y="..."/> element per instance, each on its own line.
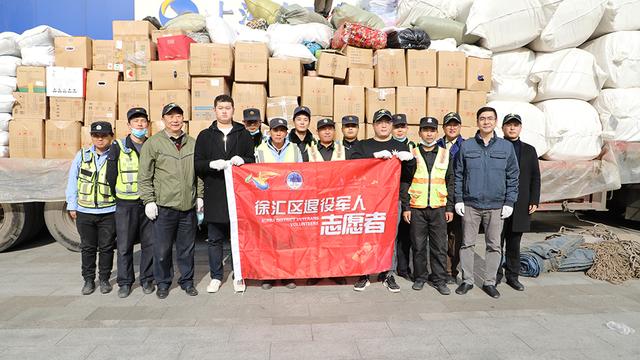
<point x="179" y="227"/>
<point x="132" y="224"/>
<point x="429" y="229"/>
<point x="97" y="238"/>
<point x="217" y="234"/>
<point x="510" y="246"/>
<point x="454" y="237"/>
<point x="403" y="242"/>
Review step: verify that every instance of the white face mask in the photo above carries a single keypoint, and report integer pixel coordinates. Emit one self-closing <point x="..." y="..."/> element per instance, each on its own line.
<point x="428" y="144"/>
<point x="402" y="139"/>
<point x="254" y="132"/>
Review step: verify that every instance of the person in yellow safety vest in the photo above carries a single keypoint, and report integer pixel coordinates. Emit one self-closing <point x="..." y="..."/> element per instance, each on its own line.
<point x="431" y="207"/>
<point x="131" y="222"/>
<point x="300" y="134"/>
<point x="278" y="149"/>
<point x="91" y="204"/>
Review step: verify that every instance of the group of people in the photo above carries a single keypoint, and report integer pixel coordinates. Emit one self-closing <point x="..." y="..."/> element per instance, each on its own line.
<point x="158" y="189"/>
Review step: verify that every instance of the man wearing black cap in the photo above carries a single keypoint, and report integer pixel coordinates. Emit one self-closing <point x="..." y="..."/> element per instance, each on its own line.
<point x="92" y="204"/>
<point x="327" y="149"/>
<point x="251" y="119"/>
<point x="131" y="221"/>
<point x="382" y="146"/>
<point x="278" y="149"/>
<point x="350" y="129"/>
<point x="171" y="193"/>
<point x="300" y="134"/>
<point x="527" y="203"/>
<point x="400" y="129"/>
<point x="224" y="143"/>
<point x="451" y="141"/>
<point x="431" y="194"/>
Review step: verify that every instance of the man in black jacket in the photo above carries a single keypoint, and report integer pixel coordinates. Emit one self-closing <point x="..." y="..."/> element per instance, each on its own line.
<point x="527" y="203"/>
<point x="224" y="143"/>
<point x="251" y="119"/>
<point x="300" y="134"/>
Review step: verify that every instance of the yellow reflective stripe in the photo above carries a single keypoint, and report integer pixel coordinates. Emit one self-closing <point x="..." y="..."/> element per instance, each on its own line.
<point x="429" y="189"/>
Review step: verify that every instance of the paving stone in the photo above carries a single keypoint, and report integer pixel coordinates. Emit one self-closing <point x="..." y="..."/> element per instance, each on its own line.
<point x="402" y="347"/>
<point x="252" y="350"/>
<point x="38" y="352"/>
<point x="127" y="313"/>
<point x="142" y="352"/>
<point x="28" y="337"/>
<point x="322" y="349"/>
<point x="428" y="328"/>
<point x="124" y="336"/>
<point x="351" y="331"/>
<point x="241" y="333"/>
<point x="189" y="335"/>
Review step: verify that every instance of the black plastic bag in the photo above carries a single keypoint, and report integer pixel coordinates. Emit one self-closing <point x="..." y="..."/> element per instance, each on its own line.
<point x="412" y="38"/>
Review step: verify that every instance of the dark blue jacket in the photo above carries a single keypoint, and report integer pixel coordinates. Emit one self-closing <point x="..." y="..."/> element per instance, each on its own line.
<point x="442" y="142"/>
<point x="486" y="177"/>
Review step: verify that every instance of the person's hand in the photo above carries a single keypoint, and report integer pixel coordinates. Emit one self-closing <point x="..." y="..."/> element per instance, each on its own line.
<point x="73" y="214"/>
<point x="406" y="215"/>
<point x="448" y="216"/>
<point x="532" y="209"/>
<point x="460" y="209"/>
<point x="236" y="161"/>
<point x="199" y="205"/>
<point x="506" y="212"/>
<point x="404" y="155"/>
<point x="384" y="154"/>
<point x="218" y="164"/>
<point x="151" y="210"/>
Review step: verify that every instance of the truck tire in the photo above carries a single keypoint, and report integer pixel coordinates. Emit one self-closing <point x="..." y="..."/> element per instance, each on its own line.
<point x="61" y="226"/>
<point x="19" y="223"/>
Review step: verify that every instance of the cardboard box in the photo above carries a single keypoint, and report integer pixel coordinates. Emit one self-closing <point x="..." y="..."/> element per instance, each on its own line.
<point x="31" y="79"/>
<point x="62" y="139"/>
<point x="390" y="68"/>
<point x="441" y="101"/>
<point x="412" y="101"/>
<point x="156" y="34"/>
<point x="100" y="111"/>
<point x="30" y="106"/>
<point x="85" y="137"/>
<point x="203" y="93"/>
<point x="468" y="131"/>
<point x="452" y="68"/>
<point x="468" y="104"/>
<point x="73" y="51"/>
<point x="132" y="94"/>
<point x="251" y="61"/>
<point x="159" y="98"/>
<point x="358" y="58"/>
<point x="66" y="82"/>
<point x="108" y="55"/>
<point x="122" y="129"/>
<point x="157" y="126"/>
<point x="102" y="86"/>
<point x="143" y="51"/>
<point x="282" y="107"/>
<point x="69" y="109"/>
<point x="479" y="74"/>
<point x="26" y="138"/>
<point x="195" y="126"/>
<point x="348" y="100"/>
<point x="380" y="99"/>
<point x="332" y="64"/>
<point x="422" y="69"/>
<point x="317" y="95"/>
<point x="170" y="75"/>
<point x="360" y="77"/>
<point x="285" y="77"/>
<point x="176" y="47"/>
<point x="211" y="59"/>
<point x="413" y="133"/>
<point x="132" y="30"/>
<point x="248" y="96"/>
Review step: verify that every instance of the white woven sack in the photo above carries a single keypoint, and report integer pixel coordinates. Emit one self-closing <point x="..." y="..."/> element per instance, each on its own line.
<point x="619" y="111"/>
<point x="534" y="125"/>
<point x="618" y="54"/>
<point x="619" y="15"/>
<point x="510" y="76"/>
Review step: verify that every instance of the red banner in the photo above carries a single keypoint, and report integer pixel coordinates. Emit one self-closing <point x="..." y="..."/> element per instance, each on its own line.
<point x="313" y="220"/>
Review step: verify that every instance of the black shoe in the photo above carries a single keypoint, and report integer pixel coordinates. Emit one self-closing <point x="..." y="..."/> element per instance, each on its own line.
<point x="391" y="285"/>
<point x="491" y="291"/>
<point x="124" y="291"/>
<point x="148" y="287"/>
<point x="362" y="283"/>
<point x="443" y="289"/>
<point x="464" y="288"/>
<point x="191" y="290"/>
<point x="382" y="276"/>
<point x="105" y="287"/>
<point x="314" y="281"/>
<point x="451" y="279"/>
<point x="515" y="284"/>
<point x="289" y="284"/>
<point x="418" y="285"/>
<point x="89" y="287"/>
<point x="267" y="284"/>
<point x="162" y="293"/>
<point x="339" y="280"/>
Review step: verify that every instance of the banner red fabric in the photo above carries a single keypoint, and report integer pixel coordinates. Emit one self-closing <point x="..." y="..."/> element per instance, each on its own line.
<point x="313" y="220"/>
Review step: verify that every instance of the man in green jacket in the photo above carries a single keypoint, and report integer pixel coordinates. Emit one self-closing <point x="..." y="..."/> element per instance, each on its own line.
<point x="171" y="193"/>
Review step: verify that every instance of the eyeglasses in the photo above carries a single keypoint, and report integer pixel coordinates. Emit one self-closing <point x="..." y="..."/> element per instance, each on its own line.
<point x="489" y="118"/>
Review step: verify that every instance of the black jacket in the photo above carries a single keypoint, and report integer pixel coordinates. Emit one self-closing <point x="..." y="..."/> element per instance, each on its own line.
<point x="302" y="144"/>
<point x="210" y="146"/>
<point x="528" y="190"/>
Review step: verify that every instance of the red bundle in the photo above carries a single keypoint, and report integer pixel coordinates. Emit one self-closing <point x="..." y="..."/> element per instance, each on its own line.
<point x="358" y="35"/>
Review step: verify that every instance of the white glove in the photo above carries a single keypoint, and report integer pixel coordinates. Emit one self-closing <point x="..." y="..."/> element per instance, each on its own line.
<point x="460" y="209"/>
<point x="151" y="210"/>
<point x="199" y="205"/>
<point x="404" y="155"/>
<point x="506" y="212"/>
<point x="218" y="164"/>
<point x="384" y="154"/>
<point x="236" y="161"/>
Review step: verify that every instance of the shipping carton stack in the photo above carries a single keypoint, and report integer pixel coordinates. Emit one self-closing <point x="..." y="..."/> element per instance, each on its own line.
<point x="250" y="77"/>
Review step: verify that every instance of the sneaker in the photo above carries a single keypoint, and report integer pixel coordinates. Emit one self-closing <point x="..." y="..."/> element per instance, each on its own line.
<point x="290" y="284"/>
<point x="267" y="284"/>
<point x="89" y="287"/>
<point x="239" y="286"/>
<point x="443" y="289"/>
<point x="105" y="287"/>
<point x="390" y="284"/>
<point x="214" y="286"/>
<point x="362" y="283"/>
<point x="418" y="285"/>
<point x="124" y="291"/>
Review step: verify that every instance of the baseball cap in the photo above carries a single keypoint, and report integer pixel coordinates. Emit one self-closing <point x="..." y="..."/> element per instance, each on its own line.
<point x="428" y="122"/>
<point x="381" y="114"/>
<point x="325" y="122"/>
<point x="137" y="112"/>
<point x="101" y="127"/>
<point x="301" y="110"/>
<point x="350" y="119"/>
<point x="277" y="122"/>
<point x="399" y="119"/>
<point x="512" y="117"/>
<point x="251" y="114"/>
<point x="452" y="116"/>
<point x="170" y="107"/>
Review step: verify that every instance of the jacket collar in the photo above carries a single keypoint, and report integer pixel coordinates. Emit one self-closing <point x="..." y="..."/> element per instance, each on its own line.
<point x="481" y="141"/>
<point x="235" y="126"/>
<point x="308" y="138"/>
